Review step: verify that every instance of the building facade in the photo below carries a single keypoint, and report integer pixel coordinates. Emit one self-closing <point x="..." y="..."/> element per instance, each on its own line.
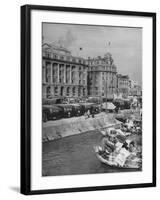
<point x="134" y="88"/>
<point x="123" y="85"/>
<point x="63" y="75"/>
<point x="102" y="77"/>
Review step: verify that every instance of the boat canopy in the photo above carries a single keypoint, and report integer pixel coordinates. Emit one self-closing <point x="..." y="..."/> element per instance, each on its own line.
<point x="109" y="106"/>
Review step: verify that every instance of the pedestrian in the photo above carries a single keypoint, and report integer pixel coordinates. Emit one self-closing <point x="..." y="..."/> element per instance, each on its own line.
<point x="85" y="115"/>
<point x="88" y="113"/>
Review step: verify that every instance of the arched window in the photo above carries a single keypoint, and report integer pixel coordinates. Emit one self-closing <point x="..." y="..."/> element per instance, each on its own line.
<point x="62" y="91"/>
<point x="56" y="91"/>
<point x="79" y="91"/>
<point x="48" y="91"/>
<point x="48" y="72"/>
<point x="84" y="91"/>
<point x="74" y="91"/>
<point x="67" y="91"/>
<point x="54" y="72"/>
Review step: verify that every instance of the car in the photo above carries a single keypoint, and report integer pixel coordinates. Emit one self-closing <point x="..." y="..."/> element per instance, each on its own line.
<point x="51" y="112"/>
<point x="67" y="110"/>
<point x="76" y="109"/>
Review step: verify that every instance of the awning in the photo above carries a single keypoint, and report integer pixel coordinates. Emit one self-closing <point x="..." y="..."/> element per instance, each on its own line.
<point x="109" y="106"/>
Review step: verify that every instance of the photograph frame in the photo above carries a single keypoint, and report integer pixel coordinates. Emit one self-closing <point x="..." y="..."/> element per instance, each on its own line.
<point x="26" y="98"/>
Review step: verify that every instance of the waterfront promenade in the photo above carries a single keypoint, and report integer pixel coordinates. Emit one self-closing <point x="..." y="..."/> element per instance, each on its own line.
<point x="57" y="129"/>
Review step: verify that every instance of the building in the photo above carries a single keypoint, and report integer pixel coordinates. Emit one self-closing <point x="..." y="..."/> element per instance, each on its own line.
<point x="134" y="88"/>
<point x="123" y="85"/>
<point x="63" y="75"/>
<point x="102" y="77"/>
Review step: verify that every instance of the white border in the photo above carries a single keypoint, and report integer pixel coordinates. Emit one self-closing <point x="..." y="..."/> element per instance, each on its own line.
<point x="41" y="183"/>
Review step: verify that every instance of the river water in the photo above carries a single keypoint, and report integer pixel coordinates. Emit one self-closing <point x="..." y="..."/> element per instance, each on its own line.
<point x="74" y="155"/>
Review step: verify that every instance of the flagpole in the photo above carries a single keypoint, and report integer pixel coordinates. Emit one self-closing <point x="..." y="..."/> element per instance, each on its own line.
<point x="108" y="44"/>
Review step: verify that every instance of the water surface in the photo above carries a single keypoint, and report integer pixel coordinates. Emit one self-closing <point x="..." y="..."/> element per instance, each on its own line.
<point x="74" y="155"/>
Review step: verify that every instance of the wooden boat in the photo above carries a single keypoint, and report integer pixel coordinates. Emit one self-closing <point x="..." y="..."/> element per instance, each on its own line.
<point x="133" y="165"/>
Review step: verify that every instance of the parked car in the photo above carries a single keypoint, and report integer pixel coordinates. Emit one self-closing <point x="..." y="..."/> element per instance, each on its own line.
<point x="67" y="110"/>
<point x="127" y="104"/>
<point x="51" y="112"/>
<point x="86" y="106"/>
<point x="120" y="105"/>
<point x="76" y="109"/>
<point x="96" y="108"/>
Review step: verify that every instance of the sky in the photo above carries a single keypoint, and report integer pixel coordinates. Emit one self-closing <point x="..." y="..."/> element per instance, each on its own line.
<point x="124" y="43"/>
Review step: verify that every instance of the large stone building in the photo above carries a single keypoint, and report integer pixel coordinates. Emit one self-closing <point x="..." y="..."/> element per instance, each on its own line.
<point x="134" y="88"/>
<point x="102" y="77"/>
<point x="123" y="85"/>
<point x="63" y="75"/>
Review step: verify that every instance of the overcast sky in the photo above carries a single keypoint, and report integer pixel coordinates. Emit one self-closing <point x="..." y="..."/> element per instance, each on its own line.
<point x="125" y="44"/>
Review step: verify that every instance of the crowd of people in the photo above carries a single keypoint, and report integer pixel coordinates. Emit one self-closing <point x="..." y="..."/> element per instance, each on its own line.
<point x="117" y="147"/>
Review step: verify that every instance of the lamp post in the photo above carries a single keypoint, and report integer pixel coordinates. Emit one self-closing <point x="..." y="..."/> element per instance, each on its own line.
<point x="106" y="89"/>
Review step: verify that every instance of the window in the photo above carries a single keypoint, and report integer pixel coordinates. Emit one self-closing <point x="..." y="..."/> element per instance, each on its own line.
<point x="79" y="92"/>
<point x="73" y="67"/>
<point x="55" y="56"/>
<point x="56" y="91"/>
<point x="48" y="90"/>
<point x="74" y="91"/>
<point x="62" y="90"/>
<point x="67" y="91"/>
<point x="68" y="58"/>
<point x="48" y="55"/>
<point x="84" y="91"/>
<point x="48" y="72"/>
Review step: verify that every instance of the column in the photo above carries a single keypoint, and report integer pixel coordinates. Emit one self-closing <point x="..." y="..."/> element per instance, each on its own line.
<point x="64" y="73"/>
<point x="43" y="74"/>
<point x="51" y="71"/>
<point x="70" y="91"/>
<point x="43" y="91"/>
<point x="57" y="72"/>
<point x="52" y="90"/>
<point x="76" y="91"/>
<point x="77" y="75"/>
<point x="70" y="74"/>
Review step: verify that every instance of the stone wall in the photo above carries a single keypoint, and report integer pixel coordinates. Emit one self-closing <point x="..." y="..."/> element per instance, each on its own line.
<point x="77" y="126"/>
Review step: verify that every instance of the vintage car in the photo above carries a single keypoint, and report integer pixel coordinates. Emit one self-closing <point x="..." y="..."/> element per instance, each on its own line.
<point x="67" y="110"/>
<point x="51" y="112"/>
<point x="76" y="109"/>
<point x="92" y="107"/>
<point x="96" y="108"/>
<point x="127" y="104"/>
<point x="85" y="107"/>
<point x="122" y="104"/>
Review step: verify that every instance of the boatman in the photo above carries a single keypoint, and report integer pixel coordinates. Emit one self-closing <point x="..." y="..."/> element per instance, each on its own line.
<point x="109" y="142"/>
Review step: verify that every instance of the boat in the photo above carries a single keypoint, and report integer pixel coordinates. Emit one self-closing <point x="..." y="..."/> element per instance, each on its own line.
<point x="111" y="162"/>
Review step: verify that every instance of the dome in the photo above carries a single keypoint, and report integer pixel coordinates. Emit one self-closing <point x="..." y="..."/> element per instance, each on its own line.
<point x="108" y="55"/>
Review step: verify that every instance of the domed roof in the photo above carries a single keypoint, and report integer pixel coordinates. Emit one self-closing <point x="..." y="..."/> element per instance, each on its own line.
<point x="59" y="48"/>
<point x="55" y="47"/>
<point x="108" y="55"/>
